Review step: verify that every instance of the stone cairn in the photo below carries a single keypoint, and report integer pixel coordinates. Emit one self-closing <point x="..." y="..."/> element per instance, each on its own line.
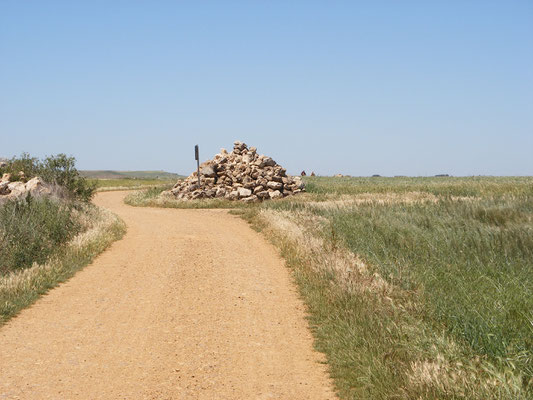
<point x="241" y="175"/>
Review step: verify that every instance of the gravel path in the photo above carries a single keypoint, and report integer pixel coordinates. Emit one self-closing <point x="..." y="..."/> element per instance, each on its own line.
<point x="191" y="304"/>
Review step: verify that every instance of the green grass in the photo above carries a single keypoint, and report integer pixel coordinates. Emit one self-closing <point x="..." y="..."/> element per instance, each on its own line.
<point x="417" y="288"/>
<point x="109" y="174"/>
<point x="441" y="186"/>
<point x="128" y="183"/>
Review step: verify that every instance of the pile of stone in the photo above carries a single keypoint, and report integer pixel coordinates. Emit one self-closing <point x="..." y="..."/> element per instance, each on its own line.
<point x="241" y="175"/>
<point x="20" y="188"/>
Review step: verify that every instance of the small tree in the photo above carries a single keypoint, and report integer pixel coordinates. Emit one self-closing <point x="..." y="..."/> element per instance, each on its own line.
<point x="61" y="170"/>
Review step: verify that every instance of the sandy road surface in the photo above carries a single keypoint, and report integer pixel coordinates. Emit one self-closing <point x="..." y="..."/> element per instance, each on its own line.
<point x="189" y="305"/>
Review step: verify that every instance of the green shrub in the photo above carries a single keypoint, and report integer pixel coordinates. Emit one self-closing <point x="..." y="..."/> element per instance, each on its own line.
<point x="32" y="230"/>
<point x="29" y="165"/>
<point x="59" y="170"/>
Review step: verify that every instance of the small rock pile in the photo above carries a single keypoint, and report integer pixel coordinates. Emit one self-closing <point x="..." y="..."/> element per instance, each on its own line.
<point x="19" y="189"/>
<point x="241" y="175"/>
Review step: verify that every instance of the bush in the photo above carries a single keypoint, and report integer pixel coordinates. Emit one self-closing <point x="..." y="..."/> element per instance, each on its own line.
<point x="59" y="170"/>
<point x="32" y="230"/>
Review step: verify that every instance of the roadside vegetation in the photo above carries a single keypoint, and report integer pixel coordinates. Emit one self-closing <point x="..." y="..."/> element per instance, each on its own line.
<point x="416" y="287"/>
<point x="44" y="240"/>
<point x="58" y="170"/>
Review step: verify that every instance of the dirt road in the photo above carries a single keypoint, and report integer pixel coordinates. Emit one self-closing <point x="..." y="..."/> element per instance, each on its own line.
<point x="191" y="304"/>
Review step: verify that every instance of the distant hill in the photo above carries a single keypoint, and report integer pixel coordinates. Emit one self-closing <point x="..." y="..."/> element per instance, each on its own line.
<point x="103" y="174"/>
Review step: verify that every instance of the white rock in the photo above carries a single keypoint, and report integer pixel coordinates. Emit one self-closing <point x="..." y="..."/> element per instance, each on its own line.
<point x="250" y="199"/>
<point x="276" y="194"/>
<point x="243" y="192"/>
<point x="274" y="185"/>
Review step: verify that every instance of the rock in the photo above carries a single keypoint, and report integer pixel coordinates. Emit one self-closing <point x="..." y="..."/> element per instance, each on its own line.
<point x="221" y="192"/>
<point x="37" y="187"/>
<point x="250" y="199"/>
<point x="243" y="192"/>
<point x="267" y="162"/>
<point x="17" y="186"/>
<point x="263" y="195"/>
<point x="208" y="171"/>
<point x="275" y="194"/>
<point x="4" y="189"/>
<point x="275" y="185"/>
<point x="234" y="195"/>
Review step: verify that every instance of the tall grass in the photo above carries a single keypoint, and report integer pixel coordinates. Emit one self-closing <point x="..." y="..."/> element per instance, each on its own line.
<point x="453" y="317"/>
<point x="31" y="230"/>
<point x="471" y="264"/>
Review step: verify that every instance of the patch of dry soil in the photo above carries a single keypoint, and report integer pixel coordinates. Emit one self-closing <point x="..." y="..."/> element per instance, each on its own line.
<point x="191" y="304"/>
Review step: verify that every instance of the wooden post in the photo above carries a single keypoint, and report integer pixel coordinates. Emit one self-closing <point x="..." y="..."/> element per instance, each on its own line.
<point x="197" y="158"/>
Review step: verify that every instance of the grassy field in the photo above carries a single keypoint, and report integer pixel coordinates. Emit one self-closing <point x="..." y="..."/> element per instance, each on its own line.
<point x="145" y="175"/>
<point x="129" y="180"/>
<point x="129" y="183"/>
<point x="416" y="287"/>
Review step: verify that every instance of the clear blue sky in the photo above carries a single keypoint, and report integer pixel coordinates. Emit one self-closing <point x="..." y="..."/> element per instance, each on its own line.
<point x="353" y="87"/>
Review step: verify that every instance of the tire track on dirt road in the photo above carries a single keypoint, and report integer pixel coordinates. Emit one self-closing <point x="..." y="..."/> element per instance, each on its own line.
<point x="191" y="304"/>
